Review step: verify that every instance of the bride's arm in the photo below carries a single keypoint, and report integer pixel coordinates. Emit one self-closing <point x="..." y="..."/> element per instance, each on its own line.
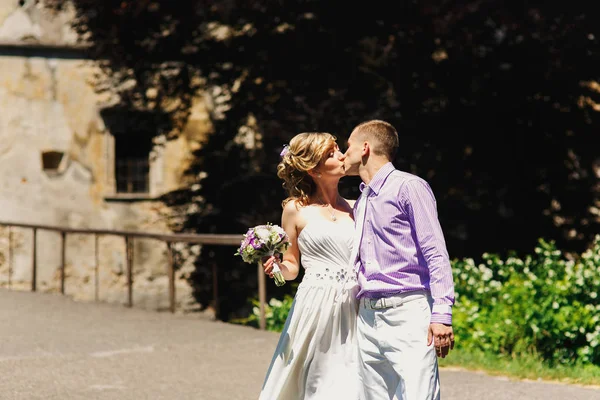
<point x="290" y="266"/>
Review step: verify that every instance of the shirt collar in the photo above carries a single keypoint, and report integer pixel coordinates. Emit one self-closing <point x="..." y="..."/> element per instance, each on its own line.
<point x="380" y="177"/>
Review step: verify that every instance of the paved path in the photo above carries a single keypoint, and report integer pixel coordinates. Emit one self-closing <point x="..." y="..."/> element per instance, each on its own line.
<point x="53" y="348"/>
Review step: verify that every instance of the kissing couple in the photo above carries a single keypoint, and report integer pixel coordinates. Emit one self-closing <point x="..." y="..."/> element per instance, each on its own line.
<point x="374" y="309"/>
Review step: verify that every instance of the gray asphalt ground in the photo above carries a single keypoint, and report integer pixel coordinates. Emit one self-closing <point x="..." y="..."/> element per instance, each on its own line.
<point x="54" y="348"/>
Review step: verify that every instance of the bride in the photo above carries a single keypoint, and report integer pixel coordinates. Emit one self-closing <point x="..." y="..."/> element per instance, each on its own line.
<point x="316" y="356"/>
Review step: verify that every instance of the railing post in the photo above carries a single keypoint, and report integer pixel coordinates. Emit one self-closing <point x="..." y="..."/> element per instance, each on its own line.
<point x="9" y="256"/>
<point x="63" y="240"/>
<point x="262" y="296"/>
<point x="96" y="269"/>
<point x="171" y="272"/>
<point x="129" y="256"/>
<point x="34" y="262"/>
<point x="215" y="282"/>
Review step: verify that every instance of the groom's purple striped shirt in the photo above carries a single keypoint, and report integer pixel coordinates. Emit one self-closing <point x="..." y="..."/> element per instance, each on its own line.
<point x="403" y="247"/>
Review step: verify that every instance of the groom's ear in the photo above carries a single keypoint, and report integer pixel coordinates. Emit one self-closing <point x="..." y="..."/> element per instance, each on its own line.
<point x="366" y="148"/>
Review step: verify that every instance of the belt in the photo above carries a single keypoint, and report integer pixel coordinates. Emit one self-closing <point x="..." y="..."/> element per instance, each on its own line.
<point x="392" y="301"/>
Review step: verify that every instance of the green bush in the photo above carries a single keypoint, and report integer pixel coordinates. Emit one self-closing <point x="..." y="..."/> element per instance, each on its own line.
<point x="544" y="305"/>
<point x="276" y="313"/>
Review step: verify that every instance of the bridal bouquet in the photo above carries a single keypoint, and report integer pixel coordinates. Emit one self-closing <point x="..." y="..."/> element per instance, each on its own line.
<point x="261" y="241"/>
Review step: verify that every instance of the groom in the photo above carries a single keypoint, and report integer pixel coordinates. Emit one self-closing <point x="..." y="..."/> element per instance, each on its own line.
<point x="406" y="288"/>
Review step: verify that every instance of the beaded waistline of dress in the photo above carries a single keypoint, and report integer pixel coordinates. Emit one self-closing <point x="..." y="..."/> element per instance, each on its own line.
<point x="329" y="276"/>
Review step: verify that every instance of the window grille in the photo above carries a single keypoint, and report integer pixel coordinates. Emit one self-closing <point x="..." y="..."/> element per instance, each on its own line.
<point x="132" y="175"/>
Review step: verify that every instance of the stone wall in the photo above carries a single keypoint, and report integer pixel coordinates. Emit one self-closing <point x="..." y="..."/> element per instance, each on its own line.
<point x="48" y="103"/>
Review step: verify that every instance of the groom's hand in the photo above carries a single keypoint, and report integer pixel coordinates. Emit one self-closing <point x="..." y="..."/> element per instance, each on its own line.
<point x="442" y="337"/>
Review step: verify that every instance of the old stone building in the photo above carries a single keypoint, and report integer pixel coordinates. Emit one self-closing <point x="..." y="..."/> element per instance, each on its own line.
<point x="69" y="159"/>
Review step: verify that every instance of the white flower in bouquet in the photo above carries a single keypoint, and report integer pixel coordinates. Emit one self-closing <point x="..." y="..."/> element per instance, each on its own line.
<point x="263" y="234"/>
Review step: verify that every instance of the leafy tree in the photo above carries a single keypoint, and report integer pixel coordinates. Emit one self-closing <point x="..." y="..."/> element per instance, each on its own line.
<point x="495" y="103"/>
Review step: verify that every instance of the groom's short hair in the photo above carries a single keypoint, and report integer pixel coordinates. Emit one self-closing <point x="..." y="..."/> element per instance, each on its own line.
<point x="384" y="134"/>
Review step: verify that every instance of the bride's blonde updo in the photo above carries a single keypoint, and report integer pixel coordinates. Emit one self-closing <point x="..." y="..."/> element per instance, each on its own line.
<point x="303" y="154"/>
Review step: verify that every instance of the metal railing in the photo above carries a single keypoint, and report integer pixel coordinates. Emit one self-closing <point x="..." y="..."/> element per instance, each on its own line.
<point x="129" y="237"/>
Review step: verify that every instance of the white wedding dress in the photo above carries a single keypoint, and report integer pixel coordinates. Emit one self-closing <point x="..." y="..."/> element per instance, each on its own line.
<point x="316" y="356"/>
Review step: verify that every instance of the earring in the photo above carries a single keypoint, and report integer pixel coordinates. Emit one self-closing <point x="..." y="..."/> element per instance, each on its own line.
<point x="318" y="175"/>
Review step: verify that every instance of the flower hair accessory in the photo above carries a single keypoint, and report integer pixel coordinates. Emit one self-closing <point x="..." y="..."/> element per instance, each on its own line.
<point x="286" y="149"/>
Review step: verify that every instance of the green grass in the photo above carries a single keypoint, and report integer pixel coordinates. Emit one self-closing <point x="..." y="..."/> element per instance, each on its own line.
<point x="528" y="367"/>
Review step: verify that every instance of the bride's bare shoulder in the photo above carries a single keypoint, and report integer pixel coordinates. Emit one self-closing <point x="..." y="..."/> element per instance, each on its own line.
<point x="295" y="209"/>
<point x="296" y="213"/>
<point x="292" y="207"/>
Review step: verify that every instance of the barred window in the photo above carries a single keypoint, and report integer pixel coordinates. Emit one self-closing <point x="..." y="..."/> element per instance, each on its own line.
<point x="129" y="149"/>
<point x="132" y="164"/>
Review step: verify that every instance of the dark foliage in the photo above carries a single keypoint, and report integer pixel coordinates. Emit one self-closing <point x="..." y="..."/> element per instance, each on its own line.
<point x="494" y="102"/>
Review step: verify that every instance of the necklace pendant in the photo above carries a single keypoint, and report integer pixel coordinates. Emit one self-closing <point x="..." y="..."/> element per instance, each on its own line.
<point x="333" y="218"/>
